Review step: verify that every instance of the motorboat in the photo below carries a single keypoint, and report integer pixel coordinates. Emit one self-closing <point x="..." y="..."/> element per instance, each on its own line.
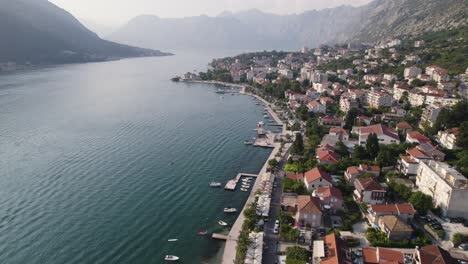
<point x="171" y="258"/>
<point x="261" y="123"/>
<point x="215" y="184"/>
<point x="230" y="210"/>
<point x="244" y="190"/>
<point x="202" y="233"/>
<point x="172" y="240"/>
<point x="248" y="142"/>
<point x="222" y="223"/>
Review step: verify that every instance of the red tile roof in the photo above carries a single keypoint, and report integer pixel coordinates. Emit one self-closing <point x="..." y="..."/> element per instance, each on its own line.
<point x="335" y="253"/>
<point x="369" y="168"/>
<point x="308" y="204"/>
<point x="418" y="136"/>
<point x="435" y="255"/>
<point x="404" y="208"/>
<point x="379" y="129"/>
<point x="382" y="255"/>
<point x="368" y="184"/>
<point x="338" y="131"/>
<point x="327" y="155"/>
<point x="408" y="159"/>
<point x="353" y="170"/>
<point x="295" y="177"/>
<point x="315" y="174"/>
<point x="403" y="125"/>
<point x="416" y="153"/>
<point x="328" y="191"/>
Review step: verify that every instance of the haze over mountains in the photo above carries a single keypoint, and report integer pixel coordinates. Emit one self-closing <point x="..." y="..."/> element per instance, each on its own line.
<point x="37" y="31"/>
<point x="256" y="30"/>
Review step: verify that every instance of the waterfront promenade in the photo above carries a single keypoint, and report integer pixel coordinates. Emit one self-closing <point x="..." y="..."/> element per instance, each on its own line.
<point x="229" y="254"/>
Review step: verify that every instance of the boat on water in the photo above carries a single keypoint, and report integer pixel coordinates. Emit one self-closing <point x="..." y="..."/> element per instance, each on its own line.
<point x="261" y="123"/>
<point x="220" y="91"/>
<point x="266" y="116"/>
<point x="246" y="186"/>
<point x="244" y="190"/>
<point x="230" y="210"/>
<point x="171" y="258"/>
<point x="215" y="184"/>
<point x="202" y="233"/>
<point x="248" y="142"/>
<point x="222" y="223"/>
<point x="172" y="240"/>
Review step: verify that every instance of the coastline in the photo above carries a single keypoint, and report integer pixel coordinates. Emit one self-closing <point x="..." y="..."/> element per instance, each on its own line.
<point x="230" y="247"/>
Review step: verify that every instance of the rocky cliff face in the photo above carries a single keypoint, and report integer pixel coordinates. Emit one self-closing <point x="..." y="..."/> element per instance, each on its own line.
<point x="389" y="18"/>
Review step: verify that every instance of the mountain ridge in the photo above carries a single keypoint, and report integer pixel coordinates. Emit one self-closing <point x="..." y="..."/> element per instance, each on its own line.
<point x="38" y="31"/>
<point x="254" y="29"/>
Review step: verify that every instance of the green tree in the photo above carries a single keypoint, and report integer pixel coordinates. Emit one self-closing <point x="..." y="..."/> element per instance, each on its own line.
<point x="273" y="163"/>
<point x="296" y="255"/>
<point x="302" y="112"/>
<point x="342" y="149"/>
<point x="298" y="145"/>
<point x="462" y="139"/>
<point x="359" y="153"/>
<point x="372" y="145"/>
<point x="350" y="118"/>
<point x="421" y="202"/>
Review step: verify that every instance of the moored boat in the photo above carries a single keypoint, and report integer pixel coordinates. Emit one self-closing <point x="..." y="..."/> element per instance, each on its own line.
<point x="202" y="233"/>
<point x="171" y="258"/>
<point x="248" y="142"/>
<point x="222" y="223"/>
<point x="244" y="190"/>
<point x="172" y="240"/>
<point x="215" y="184"/>
<point x="230" y="210"/>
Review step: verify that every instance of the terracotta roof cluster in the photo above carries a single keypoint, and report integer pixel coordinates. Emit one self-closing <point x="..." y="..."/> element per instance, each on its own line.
<point x="408" y="159"/>
<point x="382" y="255"/>
<point x="435" y="255"/>
<point x="395" y="224"/>
<point x="329" y="191"/>
<point x="315" y="174"/>
<point x="404" y="208"/>
<point x="308" y="204"/>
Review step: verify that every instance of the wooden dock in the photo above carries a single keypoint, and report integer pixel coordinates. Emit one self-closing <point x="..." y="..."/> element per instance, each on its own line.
<point x="231" y="185"/>
<point x="219" y="236"/>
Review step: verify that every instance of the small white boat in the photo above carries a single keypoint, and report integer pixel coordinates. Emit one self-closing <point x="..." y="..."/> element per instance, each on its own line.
<point x="246" y="186"/>
<point x="215" y="184"/>
<point x="172" y="240"/>
<point x="247" y="142"/>
<point x="230" y="210"/>
<point x="171" y="258"/>
<point x="244" y="190"/>
<point x="261" y="123"/>
<point x="222" y="223"/>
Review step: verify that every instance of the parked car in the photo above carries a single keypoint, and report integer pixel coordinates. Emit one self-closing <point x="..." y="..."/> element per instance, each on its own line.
<point x="276" y="230"/>
<point x="463" y="246"/>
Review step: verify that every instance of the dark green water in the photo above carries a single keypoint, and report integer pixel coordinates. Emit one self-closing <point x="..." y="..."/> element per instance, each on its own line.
<point x="102" y="163"/>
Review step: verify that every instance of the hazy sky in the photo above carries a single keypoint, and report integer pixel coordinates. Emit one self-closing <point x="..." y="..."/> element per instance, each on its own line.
<point x="116" y="12"/>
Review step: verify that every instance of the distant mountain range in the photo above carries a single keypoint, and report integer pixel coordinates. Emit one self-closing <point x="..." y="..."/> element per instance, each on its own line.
<point x="37" y="31"/>
<point x="254" y="29"/>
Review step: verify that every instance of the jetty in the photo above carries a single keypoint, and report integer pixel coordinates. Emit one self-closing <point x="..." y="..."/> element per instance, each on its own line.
<point x="232" y="184"/>
<point x="219" y="236"/>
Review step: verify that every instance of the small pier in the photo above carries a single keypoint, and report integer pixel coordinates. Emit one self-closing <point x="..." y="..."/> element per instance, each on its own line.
<point x="219" y="236"/>
<point x="231" y="185"/>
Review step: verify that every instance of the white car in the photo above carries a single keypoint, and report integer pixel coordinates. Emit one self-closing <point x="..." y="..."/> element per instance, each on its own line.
<point x="277" y="222"/>
<point x="276" y="230"/>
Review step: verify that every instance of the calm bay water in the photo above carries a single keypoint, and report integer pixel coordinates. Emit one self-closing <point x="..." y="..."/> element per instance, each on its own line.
<point x="103" y="162"/>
